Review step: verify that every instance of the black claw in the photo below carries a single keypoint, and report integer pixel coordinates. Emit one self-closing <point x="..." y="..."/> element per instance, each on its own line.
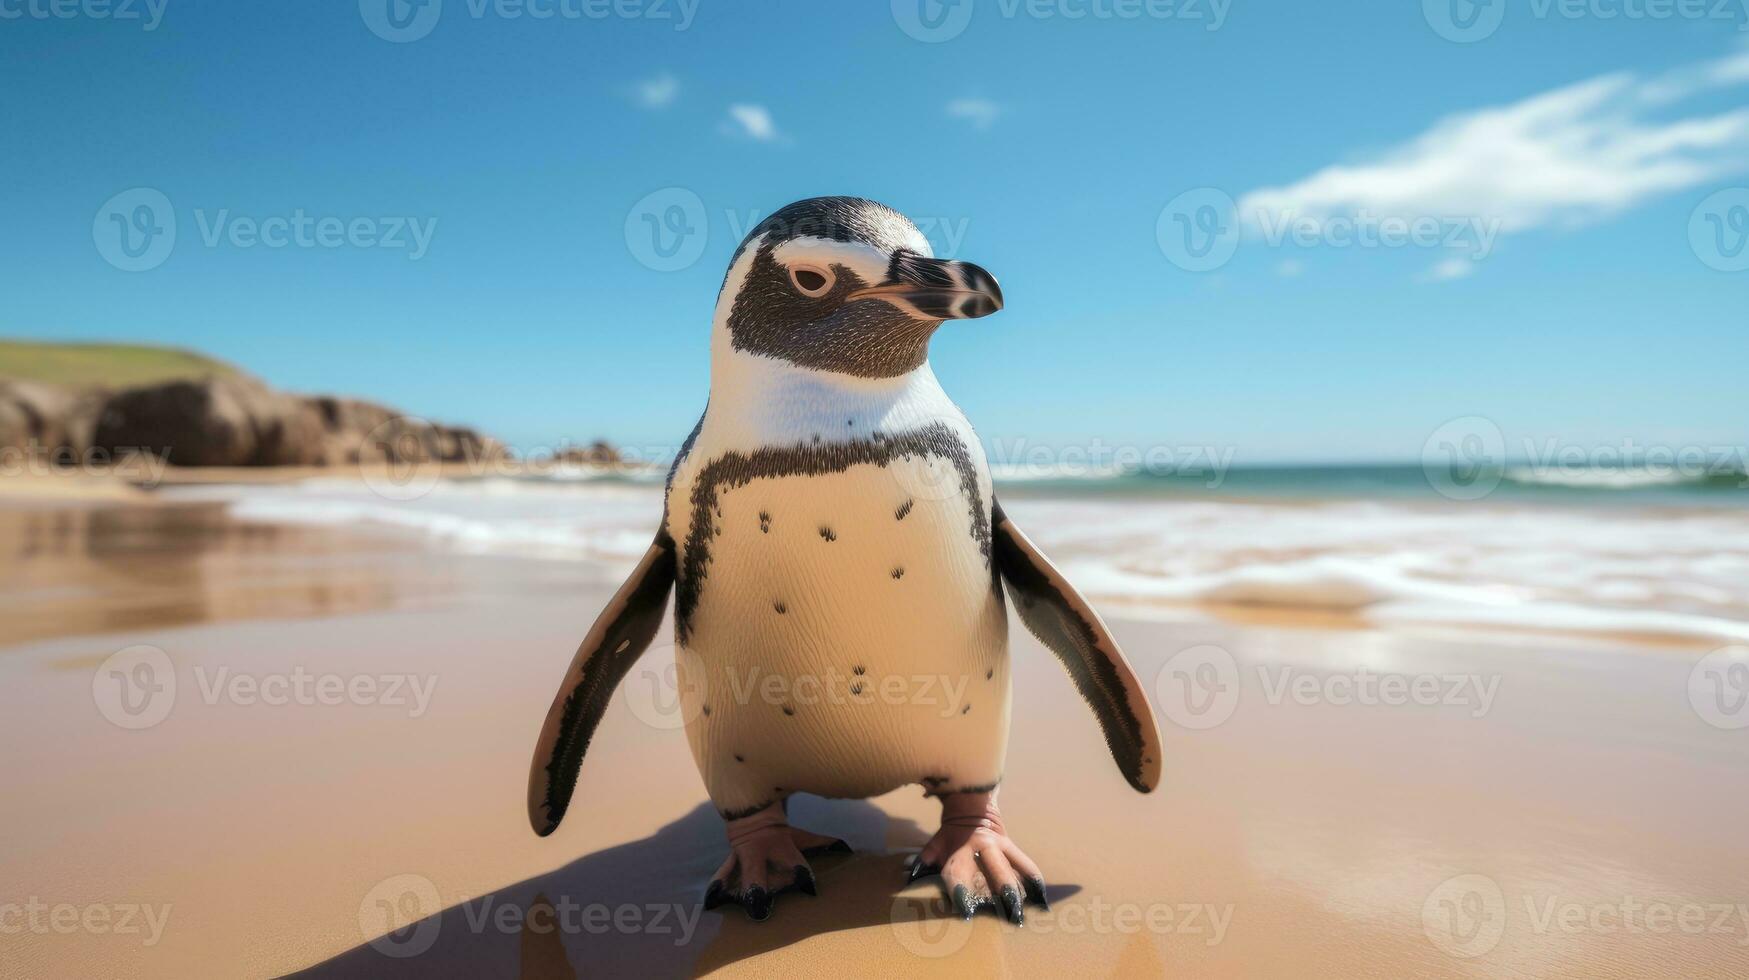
<point x="962" y="902"/>
<point x="805" y="879"/>
<point x="1035" y="892"/>
<point x="758" y="902"/>
<point x="1012" y="905"/>
<point x="921" y="870"/>
<point x="715" y="895"/>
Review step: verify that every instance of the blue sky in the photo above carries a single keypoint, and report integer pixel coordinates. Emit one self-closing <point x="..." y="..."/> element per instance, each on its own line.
<point x="1043" y="147"/>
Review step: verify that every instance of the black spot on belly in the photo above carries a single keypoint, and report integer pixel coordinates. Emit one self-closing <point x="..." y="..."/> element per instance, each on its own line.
<point x="740" y="758"/>
<point x="849" y="421"/>
<point x="859" y="670"/>
<point x="828" y="534"/>
<point x="990" y="673"/>
<point x="780" y="607"/>
<point x="898" y="573"/>
<point x="789" y="710"/>
<point x="965" y="709"/>
<point x="904" y="509"/>
<point x="764" y="522"/>
<point x="707" y="711"/>
<point x="856" y="688"/>
<point x="777" y="789"/>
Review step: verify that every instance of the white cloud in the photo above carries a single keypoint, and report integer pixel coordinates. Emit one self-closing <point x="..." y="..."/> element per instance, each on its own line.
<point x="1563" y="157"/>
<point x="752" y="121"/>
<point x="659" y="92"/>
<point x="1446" y="270"/>
<point x="981" y="113"/>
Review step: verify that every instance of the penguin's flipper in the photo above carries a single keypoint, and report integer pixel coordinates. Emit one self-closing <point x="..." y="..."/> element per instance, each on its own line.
<point x="619" y="636"/>
<point x="1065" y="622"/>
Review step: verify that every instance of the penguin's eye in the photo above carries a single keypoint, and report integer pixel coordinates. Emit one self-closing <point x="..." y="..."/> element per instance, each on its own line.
<point x="811" y="280"/>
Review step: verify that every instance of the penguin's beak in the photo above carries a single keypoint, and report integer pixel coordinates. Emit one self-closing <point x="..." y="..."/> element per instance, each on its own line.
<point x="935" y="289"/>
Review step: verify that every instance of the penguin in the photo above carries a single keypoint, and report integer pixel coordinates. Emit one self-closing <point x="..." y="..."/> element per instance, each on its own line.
<point x="838" y="561"/>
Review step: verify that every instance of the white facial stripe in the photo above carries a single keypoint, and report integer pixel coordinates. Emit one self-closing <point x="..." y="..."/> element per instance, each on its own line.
<point x="869" y="263"/>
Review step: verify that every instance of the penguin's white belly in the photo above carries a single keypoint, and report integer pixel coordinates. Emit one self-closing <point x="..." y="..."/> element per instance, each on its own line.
<point x="846" y="637"/>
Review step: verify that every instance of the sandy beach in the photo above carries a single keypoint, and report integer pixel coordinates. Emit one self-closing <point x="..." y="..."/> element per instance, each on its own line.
<point x="319" y="768"/>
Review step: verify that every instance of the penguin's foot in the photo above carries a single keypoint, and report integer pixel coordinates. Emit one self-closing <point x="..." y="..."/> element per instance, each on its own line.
<point x="766" y="858"/>
<point x="980" y="866"/>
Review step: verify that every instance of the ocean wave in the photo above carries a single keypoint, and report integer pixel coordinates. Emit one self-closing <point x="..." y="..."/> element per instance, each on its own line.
<point x="1587" y="569"/>
<point x="1605" y="478"/>
<point x="1043" y="473"/>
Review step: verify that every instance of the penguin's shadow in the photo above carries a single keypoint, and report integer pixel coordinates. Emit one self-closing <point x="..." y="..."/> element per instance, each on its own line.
<point x="636" y="909"/>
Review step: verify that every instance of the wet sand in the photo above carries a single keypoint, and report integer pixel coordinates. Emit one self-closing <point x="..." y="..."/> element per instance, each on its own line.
<point x="1582" y="819"/>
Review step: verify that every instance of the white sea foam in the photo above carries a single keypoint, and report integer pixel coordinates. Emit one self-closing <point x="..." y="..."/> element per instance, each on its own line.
<point x="1616" y="570"/>
<point x="1601" y="478"/>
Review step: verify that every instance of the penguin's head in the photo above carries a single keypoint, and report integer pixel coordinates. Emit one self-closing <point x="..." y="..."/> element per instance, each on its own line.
<point x="848" y="286"/>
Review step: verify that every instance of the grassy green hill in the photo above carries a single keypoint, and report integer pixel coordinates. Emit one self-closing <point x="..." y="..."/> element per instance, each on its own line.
<point x="102" y="365"/>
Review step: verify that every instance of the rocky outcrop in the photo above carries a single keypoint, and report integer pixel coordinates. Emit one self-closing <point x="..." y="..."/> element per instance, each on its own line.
<point x="48" y="419"/>
<point x="597" y="453"/>
<point x="232" y="420"/>
<point x="212" y="422"/>
<point x="363" y="432"/>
